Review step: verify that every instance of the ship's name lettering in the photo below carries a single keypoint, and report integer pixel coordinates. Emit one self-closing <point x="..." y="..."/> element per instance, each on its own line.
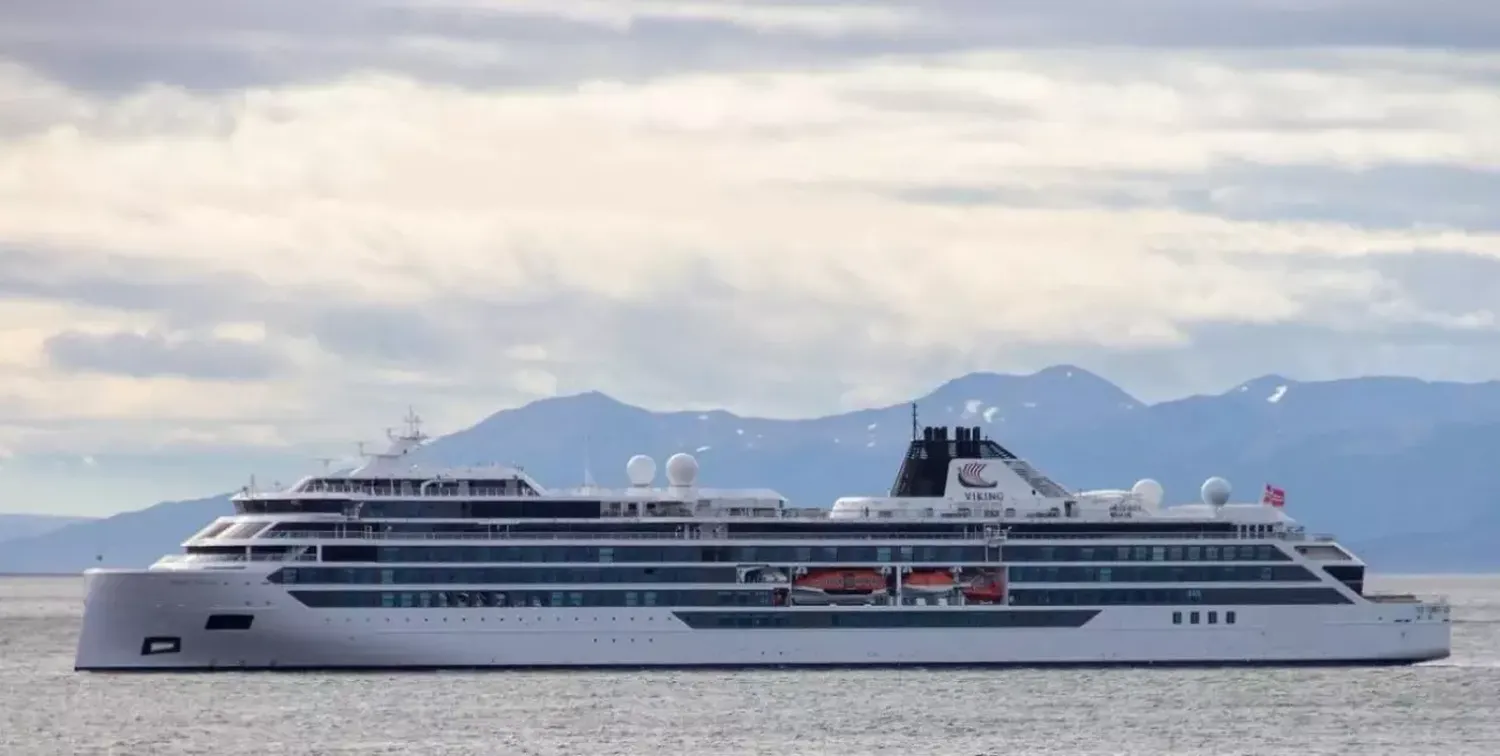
<point x="984" y="496"/>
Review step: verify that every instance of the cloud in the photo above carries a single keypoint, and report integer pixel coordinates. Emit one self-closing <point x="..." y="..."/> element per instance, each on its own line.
<point x="149" y="355"/>
<point x="126" y="44"/>
<point x="336" y="210"/>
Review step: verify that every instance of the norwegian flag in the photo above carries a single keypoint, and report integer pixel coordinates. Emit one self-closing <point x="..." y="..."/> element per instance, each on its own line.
<point x="1273" y="496"/>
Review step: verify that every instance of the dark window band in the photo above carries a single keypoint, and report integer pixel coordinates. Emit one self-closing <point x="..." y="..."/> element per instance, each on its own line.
<point x="1175" y="596"/>
<point x="577" y="599"/>
<point x="1147" y="552"/>
<point x="1191" y="573"/>
<point x="501" y="575"/>
<point x="661" y="553"/>
<point x="886" y="618"/>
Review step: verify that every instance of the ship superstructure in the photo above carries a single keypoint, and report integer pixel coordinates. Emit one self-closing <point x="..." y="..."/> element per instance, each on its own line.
<point x="974" y="557"/>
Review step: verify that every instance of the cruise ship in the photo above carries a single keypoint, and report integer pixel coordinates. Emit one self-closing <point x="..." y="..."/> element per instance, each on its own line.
<point x="974" y="558"/>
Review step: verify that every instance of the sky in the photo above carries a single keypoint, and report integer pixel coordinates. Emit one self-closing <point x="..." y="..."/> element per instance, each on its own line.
<point x="237" y="234"/>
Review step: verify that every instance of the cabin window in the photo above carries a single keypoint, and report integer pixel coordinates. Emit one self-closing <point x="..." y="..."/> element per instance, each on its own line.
<point x="1177" y="618"/>
<point x="1213" y="618"/>
<point x="1229" y="618"/>
<point x="160" y="645"/>
<point x="1193" y="618"/>
<point x="229" y="622"/>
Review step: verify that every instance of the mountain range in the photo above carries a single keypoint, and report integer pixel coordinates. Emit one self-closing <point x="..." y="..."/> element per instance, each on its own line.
<point x="1398" y="468"/>
<point x="13" y="526"/>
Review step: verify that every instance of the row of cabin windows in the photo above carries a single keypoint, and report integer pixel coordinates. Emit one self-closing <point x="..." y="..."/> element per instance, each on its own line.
<point x="1213" y="618"/>
<point x="1217" y="573"/>
<point x="516" y="599"/>
<point x="656" y="554"/>
<point x="686" y="574"/>
<point x="760" y="528"/>
<point x="1158" y="596"/>
<point x="778" y="554"/>
<point x="1227" y="553"/>
<point x="667" y="598"/>
<point x="525" y="509"/>
<point x="887" y="618"/>
<point x="502" y="575"/>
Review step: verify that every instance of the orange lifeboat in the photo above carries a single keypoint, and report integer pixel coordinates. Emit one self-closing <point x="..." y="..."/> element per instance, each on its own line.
<point x="845" y="582"/>
<point x="987" y="588"/>
<point x="928" y="581"/>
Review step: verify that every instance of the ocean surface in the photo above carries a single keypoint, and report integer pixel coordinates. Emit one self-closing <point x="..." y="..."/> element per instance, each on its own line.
<point x="1448" y="708"/>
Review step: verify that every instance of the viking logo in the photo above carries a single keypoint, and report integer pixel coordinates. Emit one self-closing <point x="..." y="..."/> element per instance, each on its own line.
<point x="972" y="476"/>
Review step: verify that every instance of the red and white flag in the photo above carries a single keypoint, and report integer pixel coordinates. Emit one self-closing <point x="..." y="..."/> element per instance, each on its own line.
<point x="1273" y="496"/>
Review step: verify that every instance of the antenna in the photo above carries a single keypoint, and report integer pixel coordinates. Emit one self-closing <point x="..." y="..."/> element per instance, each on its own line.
<point x="914" y="429"/>
<point x="414" y="425"/>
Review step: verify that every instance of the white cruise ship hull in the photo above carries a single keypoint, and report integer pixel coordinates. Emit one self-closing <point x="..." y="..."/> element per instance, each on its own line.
<point x="156" y="620"/>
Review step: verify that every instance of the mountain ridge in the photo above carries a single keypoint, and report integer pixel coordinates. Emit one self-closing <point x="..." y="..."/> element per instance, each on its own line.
<point x="16" y="526"/>
<point x="1358" y="457"/>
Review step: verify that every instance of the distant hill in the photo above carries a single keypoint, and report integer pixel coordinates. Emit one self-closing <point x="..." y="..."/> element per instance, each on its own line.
<point x="128" y="539"/>
<point x="13" y="526"/>
<point x="1400" y="465"/>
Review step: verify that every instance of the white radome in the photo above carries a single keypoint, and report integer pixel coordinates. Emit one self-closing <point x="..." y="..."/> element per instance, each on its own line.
<point x="1149" y="491"/>
<point x="682" y="469"/>
<point x="641" y="470"/>
<point x="1216" y="491"/>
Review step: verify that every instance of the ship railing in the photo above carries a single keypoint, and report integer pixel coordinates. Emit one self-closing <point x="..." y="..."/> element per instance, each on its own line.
<point x="500" y="533"/>
<point x="310" y="555"/>
<point x="1408" y="598"/>
<point x="1429" y="608"/>
<point x="360" y="535"/>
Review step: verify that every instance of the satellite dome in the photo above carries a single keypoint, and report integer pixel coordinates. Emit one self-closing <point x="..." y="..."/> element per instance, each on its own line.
<point x="1149" y="492"/>
<point x="1215" y="491"/>
<point x="682" y="469"/>
<point x="641" y="470"/>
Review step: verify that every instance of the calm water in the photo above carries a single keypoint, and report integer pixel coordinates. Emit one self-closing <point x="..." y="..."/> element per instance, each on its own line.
<point x="1449" y="708"/>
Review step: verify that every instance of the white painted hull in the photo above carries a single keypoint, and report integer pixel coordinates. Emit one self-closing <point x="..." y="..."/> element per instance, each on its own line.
<point x="124" y="607"/>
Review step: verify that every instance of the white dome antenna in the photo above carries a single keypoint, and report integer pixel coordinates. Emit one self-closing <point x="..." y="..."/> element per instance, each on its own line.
<point x="1149" y="492"/>
<point x="641" y="470"/>
<point x="682" y="470"/>
<point x="1215" y="491"/>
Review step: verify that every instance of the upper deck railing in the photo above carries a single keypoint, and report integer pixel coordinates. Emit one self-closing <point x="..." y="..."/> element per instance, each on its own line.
<point x="311" y="555"/>
<point x="689" y="534"/>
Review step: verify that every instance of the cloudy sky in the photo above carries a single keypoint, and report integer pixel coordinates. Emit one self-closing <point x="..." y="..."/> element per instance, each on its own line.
<point x="235" y="232"/>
